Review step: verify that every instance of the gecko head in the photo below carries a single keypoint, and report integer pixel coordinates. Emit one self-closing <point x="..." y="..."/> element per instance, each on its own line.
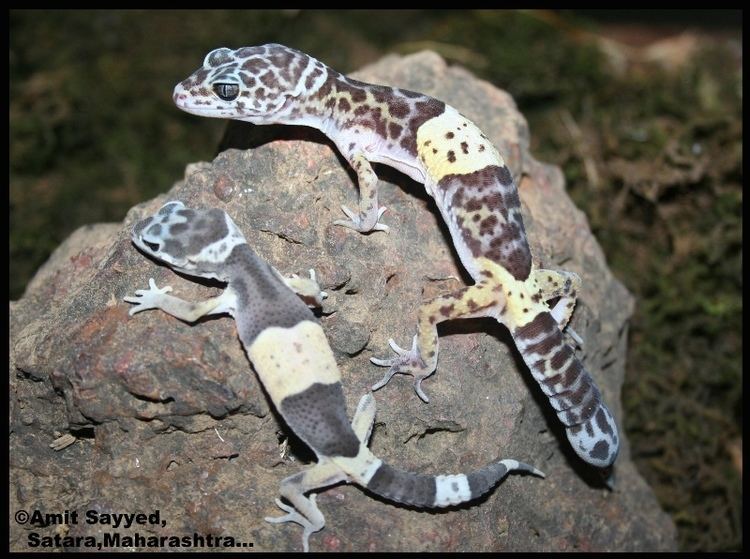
<point x="255" y="84"/>
<point x="197" y="242"/>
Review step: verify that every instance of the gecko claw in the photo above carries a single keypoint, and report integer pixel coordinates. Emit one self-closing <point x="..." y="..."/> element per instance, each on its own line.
<point x="574" y="336"/>
<point x="360" y="224"/>
<point x="418" y="389"/>
<point x="395" y="347"/>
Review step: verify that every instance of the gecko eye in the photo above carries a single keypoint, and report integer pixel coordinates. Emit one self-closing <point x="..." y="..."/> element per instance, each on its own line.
<point x="153" y="246"/>
<point x="227" y="91"/>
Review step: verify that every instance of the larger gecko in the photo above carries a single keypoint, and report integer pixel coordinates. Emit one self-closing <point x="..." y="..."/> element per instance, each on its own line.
<point x="294" y="362"/>
<point x="434" y="144"/>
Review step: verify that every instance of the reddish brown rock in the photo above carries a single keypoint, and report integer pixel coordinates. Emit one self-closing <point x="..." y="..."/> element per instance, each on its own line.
<point x="171" y="418"/>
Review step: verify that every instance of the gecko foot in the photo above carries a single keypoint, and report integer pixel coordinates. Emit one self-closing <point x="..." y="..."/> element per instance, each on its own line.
<point x="307" y="288"/>
<point x="408" y="362"/>
<point x="293" y="516"/>
<point x="147" y="298"/>
<point x="363" y="225"/>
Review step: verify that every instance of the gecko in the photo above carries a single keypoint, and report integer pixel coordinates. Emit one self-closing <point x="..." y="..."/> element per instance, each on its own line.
<point x="434" y="144"/>
<point x="294" y="362"/>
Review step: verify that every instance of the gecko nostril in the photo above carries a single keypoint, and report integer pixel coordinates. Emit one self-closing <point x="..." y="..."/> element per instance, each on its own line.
<point x="152" y="246"/>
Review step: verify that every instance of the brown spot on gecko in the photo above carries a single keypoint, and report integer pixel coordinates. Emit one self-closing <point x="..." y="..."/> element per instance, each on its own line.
<point x="395" y="129"/>
<point x="465" y="147"/>
<point x="310" y="80"/>
<point x="488" y="225"/>
<point x="504" y="175"/>
<point x="268" y="79"/>
<point x="424" y="110"/>
<point x="449" y="136"/>
<point x="559" y="358"/>
<point x="451" y="156"/>
<point x="398" y="108"/>
<point x="344" y="105"/>
<point x="254" y="65"/>
<point x="601" y="421"/>
<point x="410" y="94"/>
<point x="352" y="87"/>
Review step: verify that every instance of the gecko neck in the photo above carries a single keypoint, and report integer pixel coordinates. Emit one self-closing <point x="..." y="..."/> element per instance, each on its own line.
<point x="327" y="106"/>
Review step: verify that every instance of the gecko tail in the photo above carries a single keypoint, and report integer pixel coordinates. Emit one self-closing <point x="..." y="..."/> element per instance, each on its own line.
<point x="429" y="491"/>
<point x="571" y="390"/>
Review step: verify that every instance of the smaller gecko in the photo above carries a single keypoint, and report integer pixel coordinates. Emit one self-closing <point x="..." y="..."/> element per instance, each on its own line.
<point x="294" y="362"/>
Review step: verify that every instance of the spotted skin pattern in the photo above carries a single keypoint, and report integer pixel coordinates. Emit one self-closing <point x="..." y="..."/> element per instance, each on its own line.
<point x="294" y="362"/>
<point x="434" y="144"/>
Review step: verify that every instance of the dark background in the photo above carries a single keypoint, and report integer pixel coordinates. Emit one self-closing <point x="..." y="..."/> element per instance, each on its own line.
<point x="641" y="110"/>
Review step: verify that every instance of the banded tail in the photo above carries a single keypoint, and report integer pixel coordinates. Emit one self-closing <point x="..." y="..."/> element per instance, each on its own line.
<point x="427" y="491"/>
<point x="344" y="456"/>
<point x="589" y="425"/>
<point x="418" y="490"/>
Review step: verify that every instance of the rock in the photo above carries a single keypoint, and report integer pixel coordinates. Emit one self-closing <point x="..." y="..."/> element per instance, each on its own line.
<point x="170" y="418"/>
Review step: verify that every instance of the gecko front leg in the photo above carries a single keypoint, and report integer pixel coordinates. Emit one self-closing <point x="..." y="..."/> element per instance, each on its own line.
<point x="369" y="213"/>
<point x="156" y="298"/>
<point x="421" y="360"/>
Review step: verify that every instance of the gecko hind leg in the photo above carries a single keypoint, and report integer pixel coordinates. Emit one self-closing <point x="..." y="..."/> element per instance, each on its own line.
<point x="307" y="289"/>
<point x="421" y="359"/>
<point x="364" y="418"/>
<point x="565" y="285"/>
<point x="303" y="510"/>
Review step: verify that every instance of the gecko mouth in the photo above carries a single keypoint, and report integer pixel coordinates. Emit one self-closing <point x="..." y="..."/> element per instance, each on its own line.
<point x="227" y="112"/>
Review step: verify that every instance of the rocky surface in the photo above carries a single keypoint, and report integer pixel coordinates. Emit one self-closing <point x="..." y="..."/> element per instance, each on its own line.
<point x="170" y="417"/>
